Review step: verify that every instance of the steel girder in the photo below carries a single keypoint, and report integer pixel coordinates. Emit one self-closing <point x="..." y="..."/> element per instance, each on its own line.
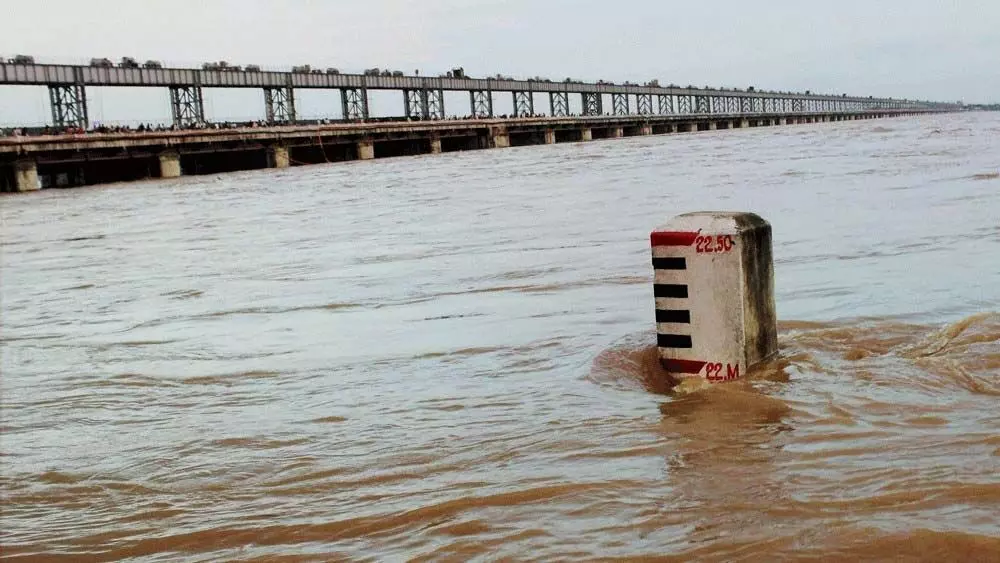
<point x="619" y="104"/>
<point x="354" y="103"/>
<point x="592" y="103"/>
<point x="644" y="104"/>
<point x="524" y="104"/>
<point x="69" y="106"/>
<point x="718" y="104"/>
<point x="797" y="105"/>
<point x="666" y="104"/>
<point x="559" y="104"/>
<point x="279" y="105"/>
<point x="482" y="103"/>
<point x="732" y="104"/>
<point x="187" y="105"/>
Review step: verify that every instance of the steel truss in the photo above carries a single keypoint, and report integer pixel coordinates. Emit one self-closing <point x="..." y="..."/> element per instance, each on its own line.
<point x="701" y="104"/>
<point x="619" y="104"/>
<point x="644" y="104"/>
<point x="482" y="103"/>
<point x="187" y="105"/>
<point x="718" y="104"/>
<point x="559" y="104"/>
<point x="666" y="103"/>
<point x="684" y="104"/>
<point x="593" y="103"/>
<point x="279" y="105"/>
<point x="524" y="104"/>
<point x="424" y="103"/>
<point x="354" y="103"/>
<point x="69" y="106"/>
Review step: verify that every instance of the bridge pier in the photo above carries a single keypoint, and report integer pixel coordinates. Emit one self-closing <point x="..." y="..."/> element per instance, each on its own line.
<point x="187" y="105"/>
<point x="170" y="164"/>
<point x="435" y="145"/>
<point x="279" y="105"/>
<point x="69" y="106"/>
<point x="366" y="150"/>
<point x="499" y="138"/>
<point x="616" y="132"/>
<point x="586" y="134"/>
<point x="550" y="136"/>
<point x="712" y="126"/>
<point x="646" y="129"/>
<point x="277" y="156"/>
<point x="23" y="177"/>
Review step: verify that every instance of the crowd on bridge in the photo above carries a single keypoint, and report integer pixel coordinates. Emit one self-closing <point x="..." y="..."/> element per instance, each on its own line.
<point x="100" y="128"/>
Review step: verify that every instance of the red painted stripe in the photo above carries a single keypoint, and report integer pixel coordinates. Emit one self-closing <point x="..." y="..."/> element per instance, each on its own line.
<point x="683" y="366"/>
<point x="672" y="238"/>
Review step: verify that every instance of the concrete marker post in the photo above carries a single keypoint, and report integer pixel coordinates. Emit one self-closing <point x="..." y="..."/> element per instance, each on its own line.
<point x="714" y="290"/>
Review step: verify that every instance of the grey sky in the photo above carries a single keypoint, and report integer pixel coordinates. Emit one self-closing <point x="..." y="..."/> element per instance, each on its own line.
<point x="928" y="49"/>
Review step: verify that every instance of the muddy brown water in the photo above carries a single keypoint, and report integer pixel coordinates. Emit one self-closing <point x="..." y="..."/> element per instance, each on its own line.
<point x="451" y="358"/>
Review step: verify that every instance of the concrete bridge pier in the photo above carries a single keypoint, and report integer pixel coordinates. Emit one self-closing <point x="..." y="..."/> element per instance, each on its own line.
<point x="499" y="138"/>
<point x="22" y="176"/>
<point x="616" y="132"/>
<point x="277" y="156"/>
<point x="435" y="145"/>
<point x="712" y="126"/>
<point x="170" y="164"/>
<point x="646" y="129"/>
<point x="744" y="123"/>
<point x="586" y="134"/>
<point x="550" y="136"/>
<point x="366" y="150"/>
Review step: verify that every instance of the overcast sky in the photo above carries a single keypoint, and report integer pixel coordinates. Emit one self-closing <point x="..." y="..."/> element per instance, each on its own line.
<point x="926" y="49"/>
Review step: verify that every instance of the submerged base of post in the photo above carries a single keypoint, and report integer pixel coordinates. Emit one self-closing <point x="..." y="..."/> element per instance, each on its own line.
<point x="714" y="290"/>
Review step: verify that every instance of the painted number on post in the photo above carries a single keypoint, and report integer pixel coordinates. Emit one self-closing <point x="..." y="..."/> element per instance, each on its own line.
<point x="714" y="372"/>
<point x="716" y="244"/>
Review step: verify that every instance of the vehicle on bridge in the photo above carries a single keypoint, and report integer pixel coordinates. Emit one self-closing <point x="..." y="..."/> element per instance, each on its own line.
<point x="253" y="68"/>
<point x="152" y="64"/>
<point x="303" y="69"/>
<point x="22" y="60"/>
<point x="128" y="62"/>
<point x="102" y="63"/>
<point x="373" y="71"/>
<point x="332" y="70"/>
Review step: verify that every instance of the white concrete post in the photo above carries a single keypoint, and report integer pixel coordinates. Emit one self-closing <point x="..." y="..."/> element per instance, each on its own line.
<point x="170" y="164"/>
<point x="714" y="290"/>
<point x="366" y="150"/>
<point x="26" y="176"/>
<point x="586" y="134"/>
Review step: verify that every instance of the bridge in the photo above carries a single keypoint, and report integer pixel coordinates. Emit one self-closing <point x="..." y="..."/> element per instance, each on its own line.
<point x="68" y="154"/>
<point x="421" y="97"/>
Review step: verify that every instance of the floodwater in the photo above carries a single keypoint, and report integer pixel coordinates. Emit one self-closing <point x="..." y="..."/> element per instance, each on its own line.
<point x="451" y="358"/>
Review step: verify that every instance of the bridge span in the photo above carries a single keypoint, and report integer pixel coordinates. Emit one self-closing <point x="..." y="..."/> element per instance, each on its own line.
<point x="421" y="97"/>
<point x="63" y="160"/>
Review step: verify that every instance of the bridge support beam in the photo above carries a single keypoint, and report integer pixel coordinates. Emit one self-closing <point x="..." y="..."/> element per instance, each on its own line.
<point x="524" y="104"/>
<point x="277" y="156"/>
<point x="712" y="126"/>
<point x="646" y="129"/>
<point x="559" y="104"/>
<point x="550" y="136"/>
<point x="354" y="103"/>
<point x="616" y="133"/>
<point x="586" y="134"/>
<point x="592" y="103"/>
<point x="435" y="145"/>
<point x="620" y="104"/>
<point x="279" y="105"/>
<point x="187" y="105"/>
<point x="482" y="103"/>
<point x="170" y="164"/>
<point x="69" y="106"/>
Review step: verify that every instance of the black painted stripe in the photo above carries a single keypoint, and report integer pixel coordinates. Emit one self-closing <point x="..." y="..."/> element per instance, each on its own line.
<point x="670" y="290"/>
<point x="670" y="264"/>
<point x="673" y="316"/>
<point x="673" y="341"/>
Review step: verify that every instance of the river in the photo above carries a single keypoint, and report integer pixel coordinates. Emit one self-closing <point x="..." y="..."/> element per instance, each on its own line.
<point x="452" y="357"/>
